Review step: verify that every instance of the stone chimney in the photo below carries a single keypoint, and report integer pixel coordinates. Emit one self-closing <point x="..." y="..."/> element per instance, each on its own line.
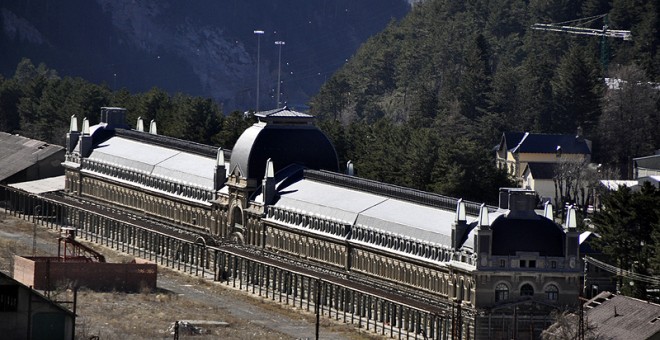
<point x="113" y="117"/>
<point x="519" y="202"/>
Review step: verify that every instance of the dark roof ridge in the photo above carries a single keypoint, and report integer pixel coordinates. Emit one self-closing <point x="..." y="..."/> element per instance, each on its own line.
<point x="392" y="191"/>
<point x="171" y="142"/>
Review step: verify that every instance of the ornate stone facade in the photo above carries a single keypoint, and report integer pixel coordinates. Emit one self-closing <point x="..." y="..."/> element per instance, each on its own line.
<point x="484" y="259"/>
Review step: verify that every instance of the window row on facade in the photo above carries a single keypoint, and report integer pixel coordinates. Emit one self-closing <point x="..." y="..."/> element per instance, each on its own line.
<point x="314" y="223"/>
<point x="502" y="292"/>
<point x="402" y="244"/>
<point x="527" y="263"/>
<point x="314" y="249"/>
<point x="158" y="206"/>
<point x="428" y="279"/>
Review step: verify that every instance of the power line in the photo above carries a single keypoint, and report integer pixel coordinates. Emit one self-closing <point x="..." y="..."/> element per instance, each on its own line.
<point x="654" y="280"/>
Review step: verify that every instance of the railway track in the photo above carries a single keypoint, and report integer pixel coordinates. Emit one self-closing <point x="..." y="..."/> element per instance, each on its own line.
<point x="353" y="280"/>
<point x="387" y="307"/>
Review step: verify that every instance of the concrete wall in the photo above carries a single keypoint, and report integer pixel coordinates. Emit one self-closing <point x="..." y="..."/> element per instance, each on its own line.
<point x="48" y="272"/>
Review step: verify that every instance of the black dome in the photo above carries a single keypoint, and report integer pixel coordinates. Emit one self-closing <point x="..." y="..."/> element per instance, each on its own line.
<point x="286" y="144"/>
<point x="528" y="235"/>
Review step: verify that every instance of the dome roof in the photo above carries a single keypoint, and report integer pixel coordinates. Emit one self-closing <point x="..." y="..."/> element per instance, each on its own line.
<point x="284" y="144"/>
<point x="527" y="235"/>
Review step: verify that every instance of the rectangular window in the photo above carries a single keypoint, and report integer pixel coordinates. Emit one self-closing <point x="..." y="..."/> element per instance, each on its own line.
<point x="502" y="263"/>
<point x="553" y="264"/>
<point x="8" y="298"/>
<point x="532" y="263"/>
<point x="523" y="263"/>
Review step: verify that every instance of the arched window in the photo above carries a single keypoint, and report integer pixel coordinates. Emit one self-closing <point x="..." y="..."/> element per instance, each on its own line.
<point x="501" y="292"/>
<point x="526" y="290"/>
<point x="552" y="292"/>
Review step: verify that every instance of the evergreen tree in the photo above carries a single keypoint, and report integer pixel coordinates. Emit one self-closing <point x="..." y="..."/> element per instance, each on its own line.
<point x="475" y="81"/>
<point x="631" y="105"/>
<point x="624" y="225"/>
<point x="577" y="91"/>
<point x="10" y="95"/>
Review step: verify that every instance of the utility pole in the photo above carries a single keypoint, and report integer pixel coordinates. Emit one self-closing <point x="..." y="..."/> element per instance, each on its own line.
<point x="37" y="210"/>
<point x="279" y="69"/>
<point x="259" y="33"/>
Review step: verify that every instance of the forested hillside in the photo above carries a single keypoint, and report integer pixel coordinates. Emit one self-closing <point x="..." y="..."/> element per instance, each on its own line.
<point x="423" y="103"/>
<point x="38" y="103"/>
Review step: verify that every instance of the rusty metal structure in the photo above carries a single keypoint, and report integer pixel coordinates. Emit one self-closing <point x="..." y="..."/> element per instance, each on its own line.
<point x="70" y="250"/>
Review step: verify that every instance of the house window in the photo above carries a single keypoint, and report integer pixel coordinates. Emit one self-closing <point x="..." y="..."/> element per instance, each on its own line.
<point x="501" y="292"/>
<point x="502" y="263"/>
<point x="552" y="292"/>
<point x="532" y="263"/>
<point x="553" y="264"/>
<point x="523" y="263"/>
<point x="8" y="298"/>
<point x="526" y="290"/>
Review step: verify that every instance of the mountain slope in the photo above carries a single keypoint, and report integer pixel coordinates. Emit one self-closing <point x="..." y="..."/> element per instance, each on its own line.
<point x="202" y="47"/>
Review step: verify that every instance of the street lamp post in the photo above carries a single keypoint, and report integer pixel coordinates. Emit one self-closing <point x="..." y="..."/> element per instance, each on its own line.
<point x="259" y="33"/>
<point x="279" y="70"/>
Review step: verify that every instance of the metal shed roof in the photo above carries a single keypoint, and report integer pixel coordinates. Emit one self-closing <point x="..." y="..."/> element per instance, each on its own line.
<point x="18" y="153"/>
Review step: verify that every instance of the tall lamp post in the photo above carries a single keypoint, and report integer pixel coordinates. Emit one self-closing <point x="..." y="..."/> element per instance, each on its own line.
<point x="259" y="33"/>
<point x="279" y="69"/>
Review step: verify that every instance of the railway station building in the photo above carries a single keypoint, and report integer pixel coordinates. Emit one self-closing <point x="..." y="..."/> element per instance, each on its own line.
<point x="280" y="191"/>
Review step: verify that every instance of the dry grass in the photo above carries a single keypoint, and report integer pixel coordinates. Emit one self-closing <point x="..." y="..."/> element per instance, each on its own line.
<point x="148" y="315"/>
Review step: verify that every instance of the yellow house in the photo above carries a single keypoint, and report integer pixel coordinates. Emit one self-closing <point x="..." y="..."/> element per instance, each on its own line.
<point x="517" y="149"/>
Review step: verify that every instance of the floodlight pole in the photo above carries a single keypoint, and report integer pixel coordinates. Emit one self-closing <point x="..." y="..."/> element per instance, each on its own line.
<point x="259" y="33"/>
<point x="279" y="69"/>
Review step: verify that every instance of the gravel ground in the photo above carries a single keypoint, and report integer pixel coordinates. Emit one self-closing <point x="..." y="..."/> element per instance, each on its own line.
<point x="149" y="315"/>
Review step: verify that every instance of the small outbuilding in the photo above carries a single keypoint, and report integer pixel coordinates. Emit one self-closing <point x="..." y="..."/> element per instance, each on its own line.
<point x="27" y="314"/>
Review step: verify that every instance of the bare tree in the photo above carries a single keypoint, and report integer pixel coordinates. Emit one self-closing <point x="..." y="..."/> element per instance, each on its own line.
<point x="575" y="183"/>
<point x="567" y="327"/>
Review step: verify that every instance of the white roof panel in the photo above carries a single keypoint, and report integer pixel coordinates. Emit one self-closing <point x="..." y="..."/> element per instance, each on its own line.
<point x="41" y="186"/>
<point x="370" y="210"/>
<point x="156" y="160"/>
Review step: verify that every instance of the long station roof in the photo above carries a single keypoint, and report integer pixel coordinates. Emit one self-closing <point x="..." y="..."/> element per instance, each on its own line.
<point x="380" y="212"/>
<point x="156" y="160"/>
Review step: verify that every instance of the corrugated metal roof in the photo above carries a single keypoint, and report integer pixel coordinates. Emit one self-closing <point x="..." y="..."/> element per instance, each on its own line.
<point x="283" y="112"/>
<point x="18" y="153"/>
<point x="622" y="317"/>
